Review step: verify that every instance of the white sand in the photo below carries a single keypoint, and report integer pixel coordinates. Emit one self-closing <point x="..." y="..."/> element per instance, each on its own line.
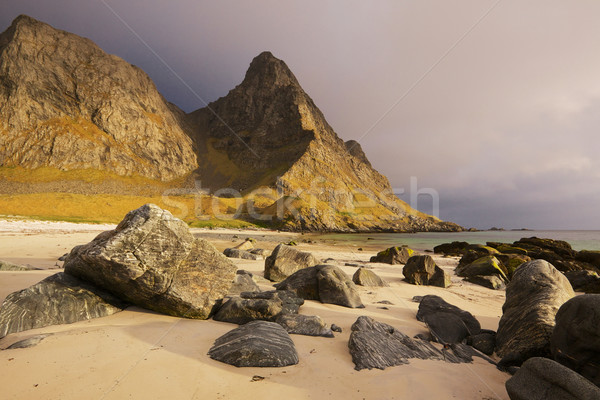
<point x="139" y="354"/>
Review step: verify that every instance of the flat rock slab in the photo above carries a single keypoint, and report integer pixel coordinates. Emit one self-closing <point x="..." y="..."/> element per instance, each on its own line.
<point x="58" y="299"/>
<point x="533" y="297"/>
<point x="374" y="344"/>
<point x="255" y="344"/>
<point x="152" y="260"/>
<point x="543" y="379"/>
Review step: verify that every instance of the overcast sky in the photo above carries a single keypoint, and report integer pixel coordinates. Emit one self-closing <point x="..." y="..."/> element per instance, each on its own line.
<point x="495" y="105"/>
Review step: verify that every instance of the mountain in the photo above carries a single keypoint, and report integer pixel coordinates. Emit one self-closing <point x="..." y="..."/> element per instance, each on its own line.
<point x="268" y="133"/>
<point x="66" y="104"/>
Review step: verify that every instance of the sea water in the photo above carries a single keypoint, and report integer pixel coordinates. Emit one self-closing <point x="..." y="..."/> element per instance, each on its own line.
<point x="579" y="240"/>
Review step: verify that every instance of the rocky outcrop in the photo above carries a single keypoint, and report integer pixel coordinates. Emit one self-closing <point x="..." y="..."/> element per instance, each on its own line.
<point x="309" y="325"/>
<point x="533" y="298"/>
<point x="422" y="270"/>
<point x="446" y="322"/>
<point x="393" y="255"/>
<point x="266" y="306"/>
<point x="256" y="344"/>
<point x="152" y="260"/>
<point x="286" y="260"/>
<point x="326" y="283"/>
<point x="366" y="277"/>
<point x="68" y="105"/>
<point x="575" y="341"/>
<point x="374" y="344"/>
<point x="543" y="379"/>
<point x="58" y="299"/>
<point x="269" y="134"/>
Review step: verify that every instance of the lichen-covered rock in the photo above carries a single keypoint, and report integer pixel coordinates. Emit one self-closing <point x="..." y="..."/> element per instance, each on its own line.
<point x="309" y="325"/>
<point x="326" y="283"/>
<point x="393" y="255"/>
<point x="365" y="277"/>
<point x="58" y="299"/>
<point x="243" y="282"/>
<point x="285" y="260"/>
<point x="422" y="270"/>
<point x="266" y="306"/>
<point x="152" y="260"/>
<point x="575" y="341"/>
<point x="484" y="266"/>
<point x="374" y="344"/>
<point x="447" y="322"/>
<point x="255" y="344"/>
<point x="543" y="379"/>
<point x="533" y="298"/>
<point x="67" y="104"/>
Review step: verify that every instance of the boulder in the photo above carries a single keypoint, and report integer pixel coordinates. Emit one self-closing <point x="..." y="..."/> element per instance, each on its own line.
<point x="309" y="325"/>
<point x="544" y="379"/>
<point x="422" y="270"/>
<point x="575" y="341"/>
<point x="265" y="306"/>
<point x="255" y="344"/>
<point x="243" y="282"/>
<point x="365" y="277"/>
<point x="510" y="262"/>
<point x="484" y="266"/>
<point x="506" y="248"/>
<point x="58" y="299"/>
<point x="451" y="249"/>
<point x="152" y="260"/>
<point x="374" y="344"/>
<point x="485" y="342"/>
<point x="285" y="260"/>
<point x="590" y="257"/>
<point x="558" y="247"/>
<point x="246" y="245"/>
<point x="237" y="253"/>
<point x="447" y="321"/>
<point x="326" y="283"/>
<point x="489" y="281"/>
<point x="475" y="252"/>
<point x="584" y="281"/>
<point x="533" y="297"/>
<point x="393" y="255"/>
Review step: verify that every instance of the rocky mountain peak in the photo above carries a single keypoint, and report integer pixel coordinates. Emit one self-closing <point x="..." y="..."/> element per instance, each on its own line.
<point x="268" y="72"/>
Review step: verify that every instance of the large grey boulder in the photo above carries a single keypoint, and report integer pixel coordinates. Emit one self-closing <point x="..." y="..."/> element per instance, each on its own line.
<point x="446" y="322"/>
<point x="575" y="341"/>
<point x="366" y="277"/>
<point x="286" y="260"/>
<point x="544" y="379"/>
<point x="152" y="260"/>
<point x="255" y="344"/>
<point x="58" y="299"/>
<point x="393" y="255"/>
<point x="265" y="306"/>
<point x="326" y="283"/>
<point x="374" y="344"/>
<point x="533" y="297"/>
<point x="422" y="270"/>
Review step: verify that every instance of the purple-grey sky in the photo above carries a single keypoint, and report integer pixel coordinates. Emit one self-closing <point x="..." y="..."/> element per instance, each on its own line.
<point x="504" y="127"/>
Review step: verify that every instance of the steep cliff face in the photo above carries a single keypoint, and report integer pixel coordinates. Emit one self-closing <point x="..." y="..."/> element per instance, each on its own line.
<point x="268" y="132"/>
<point x="64" y="103"/>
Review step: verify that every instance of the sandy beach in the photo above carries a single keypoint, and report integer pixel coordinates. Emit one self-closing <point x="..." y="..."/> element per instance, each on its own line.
<point x="140" y="354"/>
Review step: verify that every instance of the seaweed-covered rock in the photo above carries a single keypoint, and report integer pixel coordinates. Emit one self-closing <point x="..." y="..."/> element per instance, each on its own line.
<point x="152" y="260"/>
<point x="326" y="283"/>
<point x="575" y="341"/>
<point x="365" y="277"/>
<point x="58" y="299"/>
<point x="422" y="270"/>
<point x="393" y="255"/>
<point x="255" y="344"/>
<point x="533" y="298"/>
<point x="286" y="260"/>
<point x="543" y="379"/>
<point x="309" y="325"/>
<point x="447" y="323"/>
<point x="265" y="306"/>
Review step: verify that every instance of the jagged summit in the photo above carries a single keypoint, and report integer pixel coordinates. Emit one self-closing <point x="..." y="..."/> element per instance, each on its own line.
<point x="268" y="72"/>
<point x="66" y="104"/>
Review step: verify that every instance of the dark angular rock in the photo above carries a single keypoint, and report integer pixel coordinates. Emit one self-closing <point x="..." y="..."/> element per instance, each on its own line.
<point x="58" y="299"/>
<point x="575" y="341"/>
<point x="243" y="282"/>
<point x="451" y="249"/>
<point x="446" y="327"/>
<point x="304" y="283"/>
<point x="365" y="277"/>
<point x="558" y="247"/>
<point x="432" y="305"/>
<point x="374" y="344"/>
<point x="584" y="281"/>
<point x="485" y="342"/>
<point x="590" y="257"/>
<point x="422" y="270"/>
<point x="309" y="325"/>
<point x="290" y="300"/>
<point x="152" y="260"/>
<point x="533" y="297"/>
<point x="543" y="379"/>
<point x="285" y="261"/>
<point x="336" y="328"/>
<point x="237" y="253"/>
<point x="255" y="344"/>
<point x="490" y="281"/>
<point x="393" y="255"/>
<point x="266" y="306"/>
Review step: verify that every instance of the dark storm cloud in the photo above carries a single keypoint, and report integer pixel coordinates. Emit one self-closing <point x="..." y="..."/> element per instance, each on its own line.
<point x="504" y="128"/>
